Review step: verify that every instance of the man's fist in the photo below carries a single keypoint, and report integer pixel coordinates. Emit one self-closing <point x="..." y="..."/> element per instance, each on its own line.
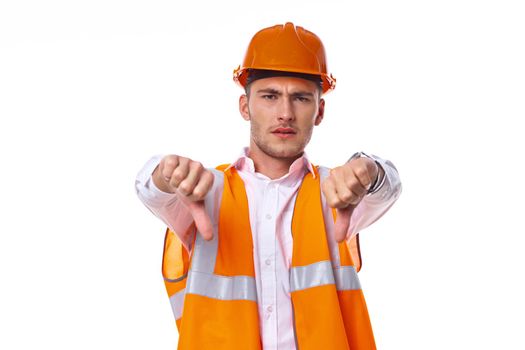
<point x="176" y="174"/>
<point x="191" y="182"/>
<point x="345" y="187"/>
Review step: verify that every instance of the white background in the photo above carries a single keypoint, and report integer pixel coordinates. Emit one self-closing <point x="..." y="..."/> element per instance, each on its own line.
<point x="89" y="90"/>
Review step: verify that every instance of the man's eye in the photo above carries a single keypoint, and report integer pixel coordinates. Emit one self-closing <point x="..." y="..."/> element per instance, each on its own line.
<point x="302" y="99"/>
<point x="269" y="97"/>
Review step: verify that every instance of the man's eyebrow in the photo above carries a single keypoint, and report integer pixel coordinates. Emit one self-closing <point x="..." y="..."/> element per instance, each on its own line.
<point x="269" y="91"/>
<point x="277" y="92"/>
<point x="302" y="93"/>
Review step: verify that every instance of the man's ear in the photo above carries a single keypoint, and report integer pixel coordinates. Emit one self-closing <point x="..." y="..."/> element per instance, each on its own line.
<point x="243" y="107"/>
<point x="320" y="113"/>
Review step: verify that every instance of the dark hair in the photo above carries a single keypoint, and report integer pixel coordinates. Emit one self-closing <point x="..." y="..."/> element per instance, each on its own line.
<point x="256" y="74"/>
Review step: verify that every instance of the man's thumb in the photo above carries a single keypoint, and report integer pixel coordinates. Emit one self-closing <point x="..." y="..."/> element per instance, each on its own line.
<point x="342" y="222"/>
<point x="201" y="218"/>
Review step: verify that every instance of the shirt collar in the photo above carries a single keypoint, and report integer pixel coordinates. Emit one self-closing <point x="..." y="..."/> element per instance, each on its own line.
<point x="243" y="162"/>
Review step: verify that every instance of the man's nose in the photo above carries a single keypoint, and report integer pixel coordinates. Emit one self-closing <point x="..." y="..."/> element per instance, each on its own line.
<point x="286" y="111"/>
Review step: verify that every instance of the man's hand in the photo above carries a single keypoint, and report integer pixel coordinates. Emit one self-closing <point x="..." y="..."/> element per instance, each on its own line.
<point x="191" y="181"/>
<point x="345" y="188"/>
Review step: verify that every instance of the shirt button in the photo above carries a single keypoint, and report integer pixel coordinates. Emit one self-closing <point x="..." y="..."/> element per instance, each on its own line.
<point x="269" y="308"/>
<point x="268" y="262"/>
<point x="268" y="216"/>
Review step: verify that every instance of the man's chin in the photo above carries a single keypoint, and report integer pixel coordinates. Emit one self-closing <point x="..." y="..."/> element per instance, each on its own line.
<point x="285" y="153"/>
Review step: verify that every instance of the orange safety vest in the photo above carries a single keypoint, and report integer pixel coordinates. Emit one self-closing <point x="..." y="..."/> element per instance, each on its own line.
<point x="213" y="292"/>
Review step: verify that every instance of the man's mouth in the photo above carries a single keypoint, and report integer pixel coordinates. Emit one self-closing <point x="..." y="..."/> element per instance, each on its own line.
<point x="284" y="132"/>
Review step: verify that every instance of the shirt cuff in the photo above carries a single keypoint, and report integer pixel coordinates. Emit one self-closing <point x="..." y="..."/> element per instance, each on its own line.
<point x="145" y="186"/>
<point x="390" y="184"/>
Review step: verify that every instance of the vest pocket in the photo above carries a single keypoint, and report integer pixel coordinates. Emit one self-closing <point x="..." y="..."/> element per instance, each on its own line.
<point x="175" y="263"/>
<point x="175" y="260"/>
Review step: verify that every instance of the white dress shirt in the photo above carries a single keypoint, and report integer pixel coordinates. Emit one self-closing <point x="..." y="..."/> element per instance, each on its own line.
<point x="271" y="204"/>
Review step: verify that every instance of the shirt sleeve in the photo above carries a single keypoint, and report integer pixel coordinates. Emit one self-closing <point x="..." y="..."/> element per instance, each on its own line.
<point x="166" y="206"/>
<point x="375" y="205"/>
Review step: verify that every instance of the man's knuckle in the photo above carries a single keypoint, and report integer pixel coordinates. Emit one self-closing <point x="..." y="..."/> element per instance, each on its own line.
<point x="173" y="183"/>
<point x="347" y="197"/>
<point x="170" y="161"/>
<point x="184" y="187"/>
<point x="208" y="178"/>
<point x="178" y="175"/>
<point x="361" y="171"/>
<point x="199" y="193"/>
<point x="352" y="183"/>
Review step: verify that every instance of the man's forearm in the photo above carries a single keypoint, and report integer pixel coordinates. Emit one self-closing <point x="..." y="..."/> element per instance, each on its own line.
<point x="166" y="206"/>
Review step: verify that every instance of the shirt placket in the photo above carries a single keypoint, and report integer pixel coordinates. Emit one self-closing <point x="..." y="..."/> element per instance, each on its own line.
<point x="268" y="266"/>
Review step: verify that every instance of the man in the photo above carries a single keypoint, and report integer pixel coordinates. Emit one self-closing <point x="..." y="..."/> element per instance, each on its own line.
<point x="252" y="257"/>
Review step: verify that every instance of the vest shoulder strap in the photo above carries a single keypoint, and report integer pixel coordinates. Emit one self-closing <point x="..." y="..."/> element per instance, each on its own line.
<point x="222" y="167"/>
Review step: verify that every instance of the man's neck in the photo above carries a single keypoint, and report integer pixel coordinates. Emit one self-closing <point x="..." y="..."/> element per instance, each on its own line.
<point x="272" y="167"/>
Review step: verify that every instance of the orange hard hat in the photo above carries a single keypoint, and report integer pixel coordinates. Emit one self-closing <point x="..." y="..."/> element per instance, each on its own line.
<point x="286" y="48"/>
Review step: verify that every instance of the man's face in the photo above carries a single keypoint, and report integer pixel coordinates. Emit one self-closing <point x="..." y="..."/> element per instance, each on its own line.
<point x="282" y="112"/>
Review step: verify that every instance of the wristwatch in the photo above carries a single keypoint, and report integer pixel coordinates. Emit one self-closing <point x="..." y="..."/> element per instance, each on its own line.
<point x="377" y="183"/>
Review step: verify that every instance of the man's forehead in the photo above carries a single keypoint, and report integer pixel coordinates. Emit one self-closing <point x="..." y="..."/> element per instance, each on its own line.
<point x="284" y="84"/>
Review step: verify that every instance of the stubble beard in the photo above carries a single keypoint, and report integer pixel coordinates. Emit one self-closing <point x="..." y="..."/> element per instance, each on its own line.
<point x="285" y="150"/>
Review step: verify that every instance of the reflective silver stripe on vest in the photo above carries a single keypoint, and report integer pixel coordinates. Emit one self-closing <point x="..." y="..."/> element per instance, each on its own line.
<point x="318" y="274"/>
<point x="201" y="279"/>
<point x="221" y="287"/>
<point x="346" y="278"/>
<point x="321" y="273"/>
<point x="177" y="303"/>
